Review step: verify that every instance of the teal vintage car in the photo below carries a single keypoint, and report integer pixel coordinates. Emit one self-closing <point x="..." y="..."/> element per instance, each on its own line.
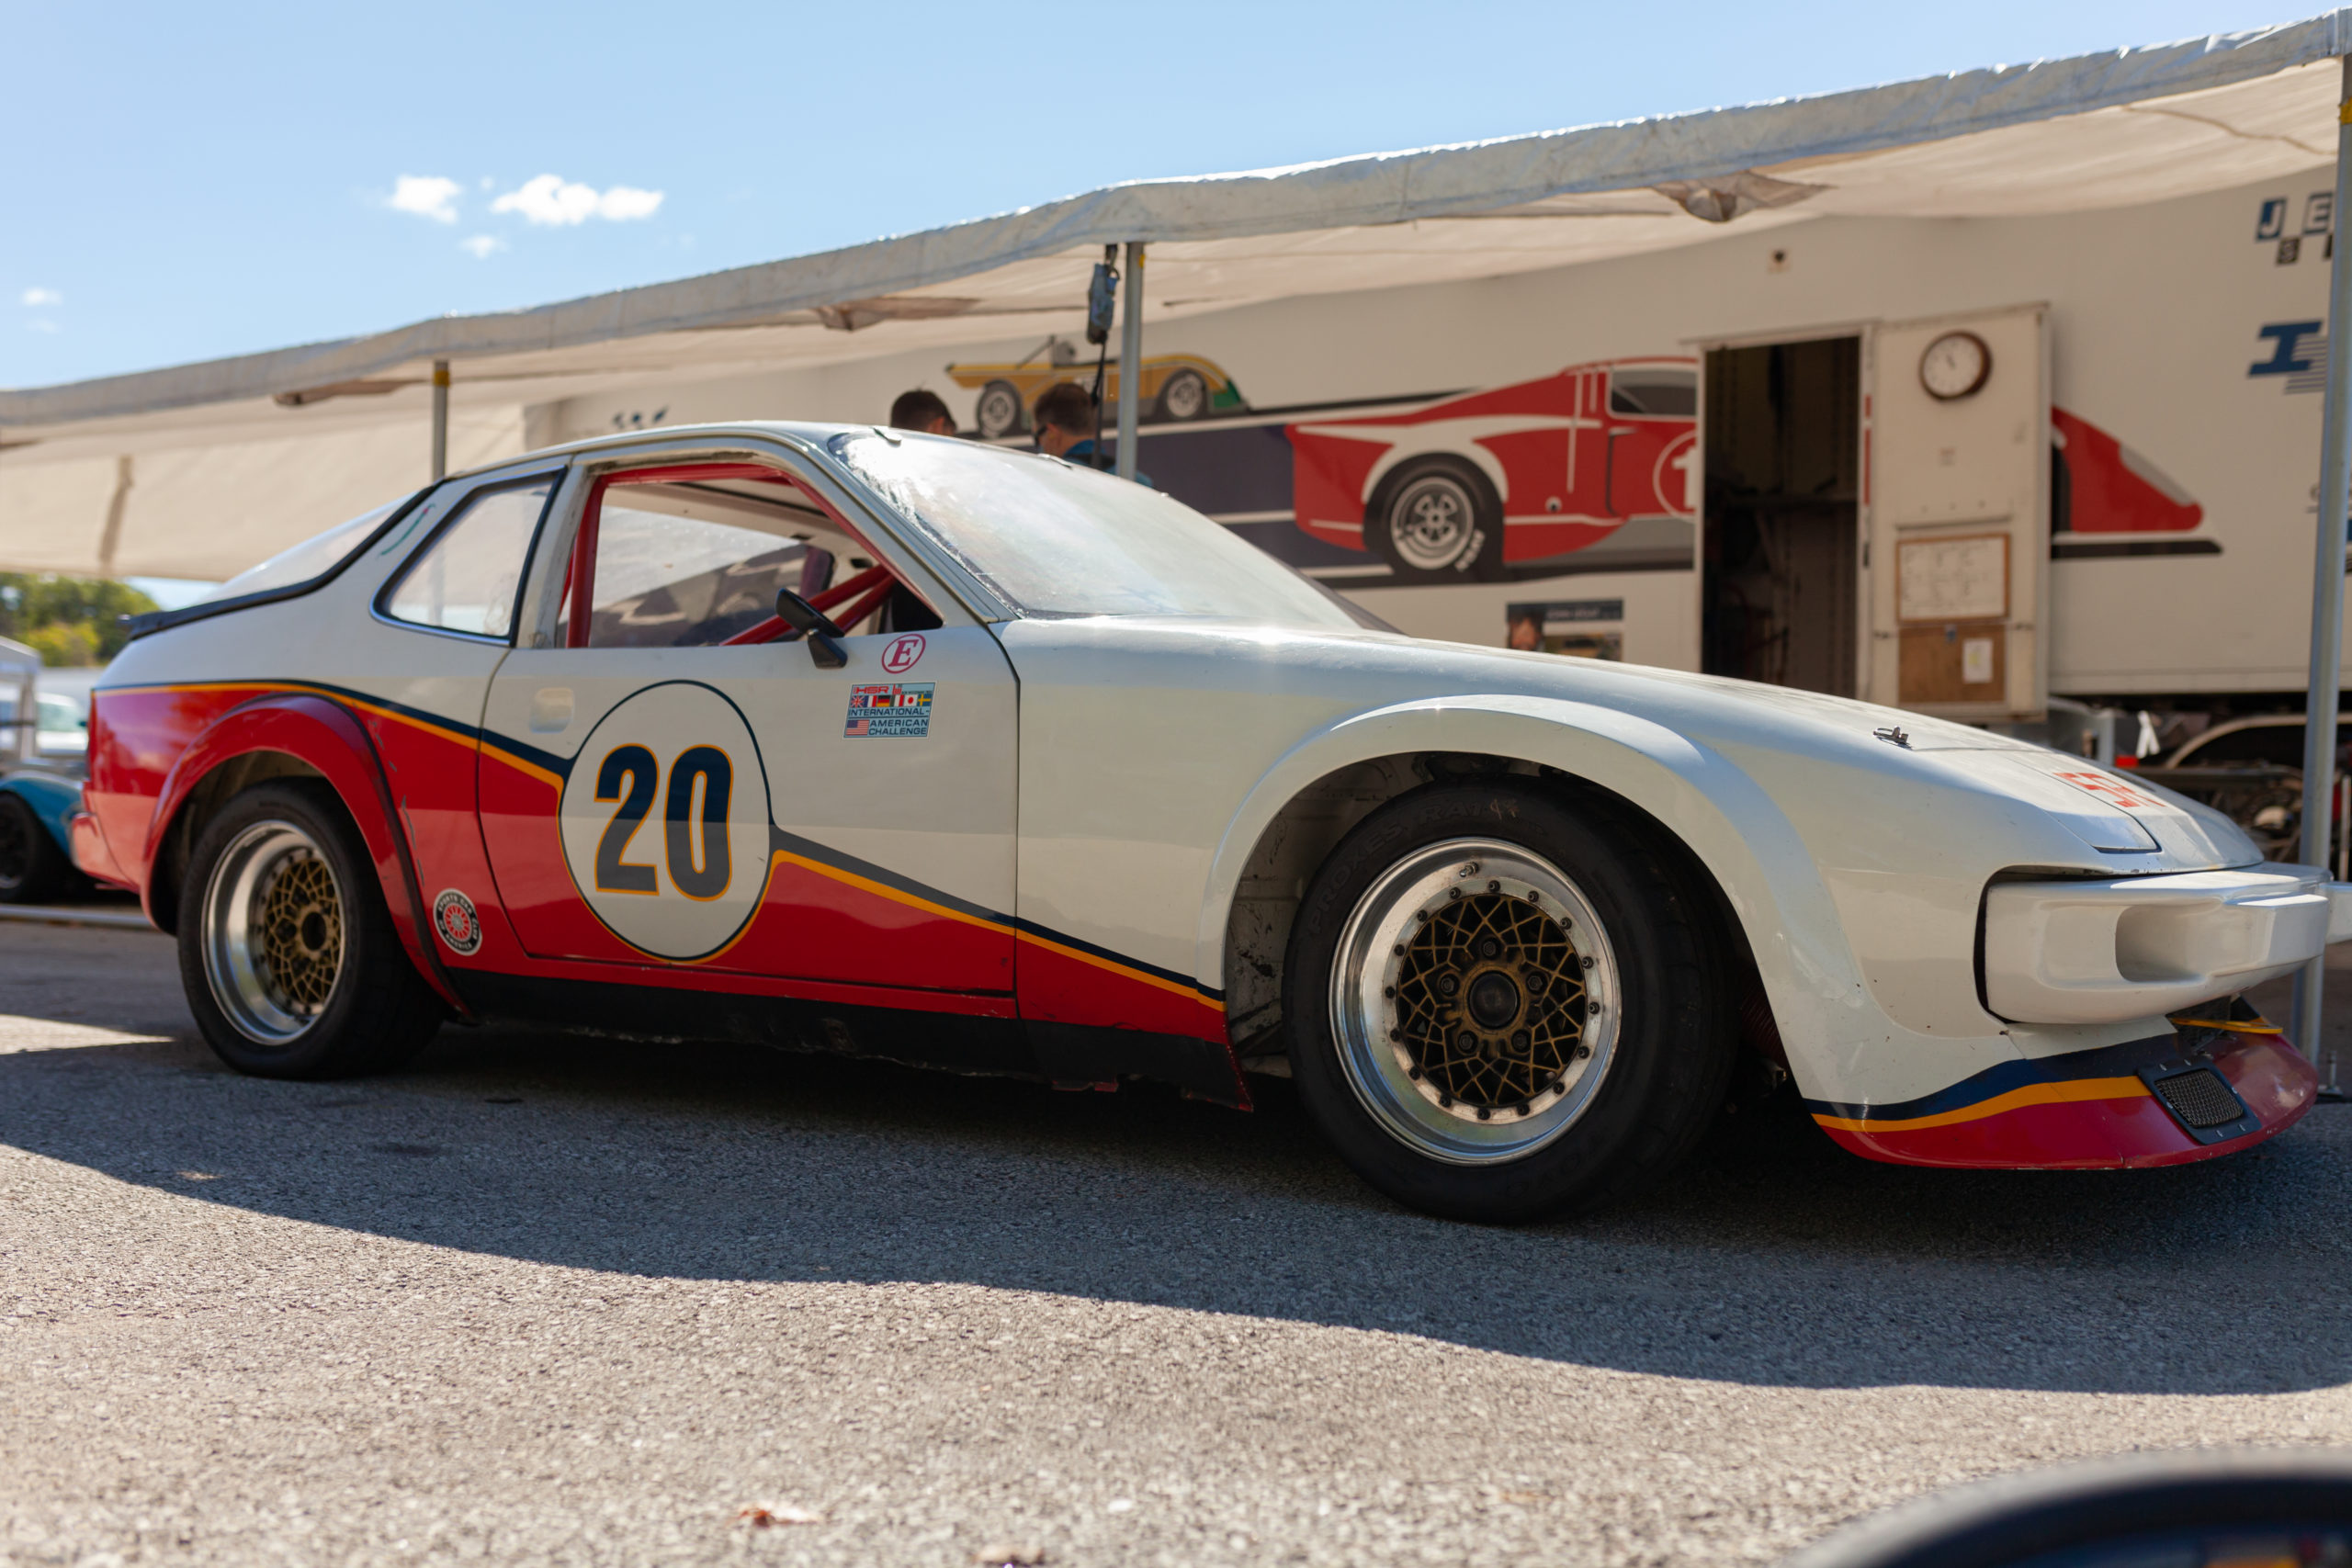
<point x="42" y="769"/>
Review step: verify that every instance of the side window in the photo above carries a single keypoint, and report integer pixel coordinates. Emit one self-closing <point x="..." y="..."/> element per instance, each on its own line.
<point x="693" y="562"/>
<point x="469" y="578"/>
<point x="1664" y="393"/>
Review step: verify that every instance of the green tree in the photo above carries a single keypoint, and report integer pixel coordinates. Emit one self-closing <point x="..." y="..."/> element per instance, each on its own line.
<point x="72" y="620"/>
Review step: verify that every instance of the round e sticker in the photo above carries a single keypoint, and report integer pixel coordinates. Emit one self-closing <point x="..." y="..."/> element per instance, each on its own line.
<point x="901" y="655"/>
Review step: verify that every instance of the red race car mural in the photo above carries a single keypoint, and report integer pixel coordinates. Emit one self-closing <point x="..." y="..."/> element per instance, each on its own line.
<point x="1473" y="485"/>
<point x="1598" y="458"/>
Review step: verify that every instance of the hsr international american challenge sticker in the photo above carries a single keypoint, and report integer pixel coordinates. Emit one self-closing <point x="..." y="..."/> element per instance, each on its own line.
<point x="892" y="710"/>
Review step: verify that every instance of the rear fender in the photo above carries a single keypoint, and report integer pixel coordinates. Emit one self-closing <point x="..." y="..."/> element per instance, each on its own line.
<point x="326" y="737"/>
<point x="1721" y="815"/>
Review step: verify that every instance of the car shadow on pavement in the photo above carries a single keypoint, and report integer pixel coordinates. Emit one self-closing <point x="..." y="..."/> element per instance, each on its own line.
<point x="1773" y="1260"/>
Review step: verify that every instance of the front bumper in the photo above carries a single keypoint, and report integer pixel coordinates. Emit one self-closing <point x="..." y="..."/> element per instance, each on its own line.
<point x="2141" y="947"/>
<point x="2146" y="1102"/>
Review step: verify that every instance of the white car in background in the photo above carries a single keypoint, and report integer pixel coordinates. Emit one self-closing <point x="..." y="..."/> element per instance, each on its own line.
<point x="849" y="739"/>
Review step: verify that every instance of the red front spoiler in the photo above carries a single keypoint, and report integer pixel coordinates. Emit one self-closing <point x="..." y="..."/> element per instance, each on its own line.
<point x="2092" y="1110"/>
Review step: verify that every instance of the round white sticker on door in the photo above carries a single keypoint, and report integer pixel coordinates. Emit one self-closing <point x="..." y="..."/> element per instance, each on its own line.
<point x="665" y="821"/>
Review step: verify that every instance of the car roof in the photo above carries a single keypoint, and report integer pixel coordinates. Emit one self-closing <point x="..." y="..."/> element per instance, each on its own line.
<point x="807" y="434"/>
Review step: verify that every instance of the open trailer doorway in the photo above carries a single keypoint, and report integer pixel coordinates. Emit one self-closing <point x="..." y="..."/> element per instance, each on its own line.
<point x="1781" y="541"/>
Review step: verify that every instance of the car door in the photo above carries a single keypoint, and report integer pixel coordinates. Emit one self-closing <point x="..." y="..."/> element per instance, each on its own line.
<point x="654" y="792"/>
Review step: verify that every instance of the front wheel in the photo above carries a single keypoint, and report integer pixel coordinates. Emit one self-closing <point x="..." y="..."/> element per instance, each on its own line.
<point x="288" y="954"/>
<point x="1502" y="1005"/>
<point x="1437" y="519"/>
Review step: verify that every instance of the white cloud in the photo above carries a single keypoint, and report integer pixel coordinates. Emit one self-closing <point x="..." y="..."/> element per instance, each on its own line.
<point x="482" y="247"/>
<point x="427" y="195"/>
<point x="624" y="202"/>
<point x="34" y="298"/>
<point x="549" y="198"/>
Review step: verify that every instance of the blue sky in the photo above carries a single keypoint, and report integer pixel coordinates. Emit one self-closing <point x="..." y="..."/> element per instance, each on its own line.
<point x="187" y="182"/>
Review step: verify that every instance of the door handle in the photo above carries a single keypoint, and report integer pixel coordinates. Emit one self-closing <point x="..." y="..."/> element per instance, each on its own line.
<point x="1608" y="471"/>
<point x="807" y="620"/>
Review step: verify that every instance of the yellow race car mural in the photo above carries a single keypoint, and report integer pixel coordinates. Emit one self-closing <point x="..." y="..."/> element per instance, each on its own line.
<point x="1176" y="386"/>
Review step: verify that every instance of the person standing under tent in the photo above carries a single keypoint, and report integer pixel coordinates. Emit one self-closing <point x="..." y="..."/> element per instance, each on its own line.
<point x="923" y="410"/>
<point x="1065" y="420"/>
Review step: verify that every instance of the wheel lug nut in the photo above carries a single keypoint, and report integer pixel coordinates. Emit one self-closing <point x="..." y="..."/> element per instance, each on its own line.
<point x="1519" y="1041"/>
<point x="1449" y="984"/>
<point x="1466" y="1041"/>
<point x="1490" y="948"/>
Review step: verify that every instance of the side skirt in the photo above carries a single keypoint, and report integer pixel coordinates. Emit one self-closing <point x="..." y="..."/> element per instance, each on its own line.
<point x="1057" y="1053"/>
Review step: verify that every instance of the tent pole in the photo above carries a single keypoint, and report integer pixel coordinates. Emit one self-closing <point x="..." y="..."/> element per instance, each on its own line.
<point x="440" y="419"/>
<point x="1131" y="359"/>
<point x="2327" y="589"/>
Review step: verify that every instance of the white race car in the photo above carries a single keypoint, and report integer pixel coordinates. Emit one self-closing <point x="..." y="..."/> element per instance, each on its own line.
<point x="857" y="741"/>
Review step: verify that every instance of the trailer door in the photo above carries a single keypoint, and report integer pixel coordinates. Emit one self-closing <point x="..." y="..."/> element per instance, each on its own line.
<point x="1959" y="515"/>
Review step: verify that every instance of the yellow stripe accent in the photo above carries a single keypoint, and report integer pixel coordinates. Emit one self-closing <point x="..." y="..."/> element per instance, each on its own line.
<point x="1176" y="987"/>
<point x="554" y="780"/>
<point x="895" y="895"/>
<point x="2016" y="1098"/>
<point x="2232" y="1026"/>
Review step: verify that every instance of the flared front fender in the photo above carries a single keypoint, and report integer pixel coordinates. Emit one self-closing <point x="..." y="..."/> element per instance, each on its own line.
<point x="1721" y="815"/>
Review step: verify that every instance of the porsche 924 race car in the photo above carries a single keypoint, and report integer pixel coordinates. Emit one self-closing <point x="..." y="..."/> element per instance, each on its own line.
<point x="849" y="739"/>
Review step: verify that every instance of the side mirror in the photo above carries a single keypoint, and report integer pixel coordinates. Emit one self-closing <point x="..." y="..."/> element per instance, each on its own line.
<point x="807" y="620"/>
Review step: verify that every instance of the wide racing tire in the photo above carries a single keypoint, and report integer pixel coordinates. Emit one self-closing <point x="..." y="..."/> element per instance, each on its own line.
<point x="1505" y="1002"/>
<point x="287" y="952"/>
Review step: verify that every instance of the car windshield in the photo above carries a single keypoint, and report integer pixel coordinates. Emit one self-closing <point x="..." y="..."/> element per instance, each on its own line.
<point x="1056" y="540"/>
<point x="314" y="557"/>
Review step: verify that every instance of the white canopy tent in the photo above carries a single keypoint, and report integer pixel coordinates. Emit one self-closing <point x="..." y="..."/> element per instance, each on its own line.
<point x="338" y="426"/>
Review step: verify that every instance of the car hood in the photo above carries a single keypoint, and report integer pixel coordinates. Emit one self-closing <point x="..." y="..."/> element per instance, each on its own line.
<point x="1786" y="740"/>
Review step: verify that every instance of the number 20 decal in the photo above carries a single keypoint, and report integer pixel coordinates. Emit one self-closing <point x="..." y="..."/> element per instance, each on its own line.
<point x="701" y="871"/>
<point x="667" y="802"/>
<point x="615" y="874"/>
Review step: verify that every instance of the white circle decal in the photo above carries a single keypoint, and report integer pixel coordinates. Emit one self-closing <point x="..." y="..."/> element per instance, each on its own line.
<point x="665" y="821"/>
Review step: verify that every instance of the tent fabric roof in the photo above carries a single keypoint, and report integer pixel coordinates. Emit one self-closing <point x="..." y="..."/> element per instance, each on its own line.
<point x="2110" y="130"/>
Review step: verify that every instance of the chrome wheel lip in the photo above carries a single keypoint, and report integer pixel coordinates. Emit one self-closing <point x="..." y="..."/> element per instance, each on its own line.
<point x="1362" y="1017"/>
<point x="235" y="964"/>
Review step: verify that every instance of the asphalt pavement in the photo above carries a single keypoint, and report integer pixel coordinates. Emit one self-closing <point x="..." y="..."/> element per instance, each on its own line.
<point x="551" y="1298"/>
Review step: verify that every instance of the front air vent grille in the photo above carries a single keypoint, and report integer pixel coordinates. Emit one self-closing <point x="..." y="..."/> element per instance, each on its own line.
<point x="2201" y="1098"/>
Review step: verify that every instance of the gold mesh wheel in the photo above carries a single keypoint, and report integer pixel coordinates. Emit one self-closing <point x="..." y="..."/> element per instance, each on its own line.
<point x="1490" y="1002"/>
<point x="1474" y="1001"/>
<point x="273" y="938"/>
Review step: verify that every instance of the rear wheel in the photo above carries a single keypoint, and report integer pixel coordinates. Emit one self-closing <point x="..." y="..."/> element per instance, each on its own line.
<point x="1183" y="397"/>
<point x="286" y="952"/>
<point x="1437" y="519"/>
<point x="998" y="409"/>
<point x="33" y="870"/>
<point x="1501" y="1006"/>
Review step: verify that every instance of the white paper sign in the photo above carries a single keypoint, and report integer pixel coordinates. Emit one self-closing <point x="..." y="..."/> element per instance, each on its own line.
<point x="1952" y="580"/>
